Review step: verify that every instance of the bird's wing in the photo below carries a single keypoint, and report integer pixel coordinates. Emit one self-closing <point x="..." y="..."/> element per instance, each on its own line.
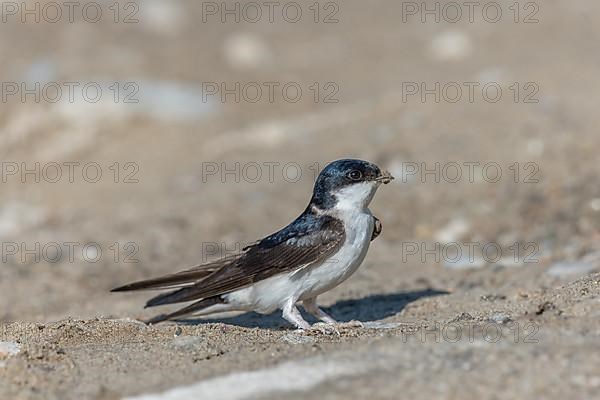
<point x="283" y="252"/>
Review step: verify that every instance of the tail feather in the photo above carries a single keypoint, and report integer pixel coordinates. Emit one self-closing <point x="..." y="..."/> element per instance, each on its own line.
<point x="194" y="307"/>
<point x="168" y="298"/>
<point x="166" y="282"/>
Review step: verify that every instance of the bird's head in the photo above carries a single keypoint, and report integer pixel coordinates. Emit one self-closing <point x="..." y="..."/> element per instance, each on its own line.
<point x="348" y="183"/>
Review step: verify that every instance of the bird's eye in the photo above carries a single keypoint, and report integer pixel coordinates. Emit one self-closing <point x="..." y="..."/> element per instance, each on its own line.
<point x="355" y="175"/>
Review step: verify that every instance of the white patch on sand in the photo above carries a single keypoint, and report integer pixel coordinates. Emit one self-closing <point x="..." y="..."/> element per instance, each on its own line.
<point x="8" y="349"/>
<point x="286" y="377"/>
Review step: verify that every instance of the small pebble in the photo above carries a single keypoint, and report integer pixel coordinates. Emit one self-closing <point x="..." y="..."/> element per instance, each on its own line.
<point x="500" y="318"/>
<point x="493" y="297"/>
<point x="463" y="317"/>
<point x="8" y="349"/>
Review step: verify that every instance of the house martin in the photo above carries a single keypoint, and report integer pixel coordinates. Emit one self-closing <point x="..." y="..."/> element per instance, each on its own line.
<point x="315" y="253"/>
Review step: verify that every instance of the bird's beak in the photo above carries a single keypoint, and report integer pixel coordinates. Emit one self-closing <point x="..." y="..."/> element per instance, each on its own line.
<point x="385" y="177"/>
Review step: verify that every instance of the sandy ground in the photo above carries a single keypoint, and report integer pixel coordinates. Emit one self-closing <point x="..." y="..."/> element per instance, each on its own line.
<point x="523" y="324"/>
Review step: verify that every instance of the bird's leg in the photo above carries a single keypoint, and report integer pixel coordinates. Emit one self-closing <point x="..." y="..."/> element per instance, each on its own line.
<point x="293" y="316"/>
<point x="310" y="305"/>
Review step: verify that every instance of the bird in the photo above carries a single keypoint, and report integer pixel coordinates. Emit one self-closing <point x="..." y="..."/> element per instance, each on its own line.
<point x="316" y="252"/>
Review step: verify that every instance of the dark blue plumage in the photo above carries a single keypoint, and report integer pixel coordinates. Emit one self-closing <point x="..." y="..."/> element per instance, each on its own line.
<point x="306" y="223"/>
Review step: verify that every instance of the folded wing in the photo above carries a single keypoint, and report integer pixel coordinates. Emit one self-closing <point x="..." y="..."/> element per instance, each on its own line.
<point x="288" y="250"/>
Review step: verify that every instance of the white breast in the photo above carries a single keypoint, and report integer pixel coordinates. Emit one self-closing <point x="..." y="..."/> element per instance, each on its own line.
<point x="319" y="279"/>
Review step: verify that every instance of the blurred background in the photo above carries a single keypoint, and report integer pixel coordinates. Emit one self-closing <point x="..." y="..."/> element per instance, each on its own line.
<point x="207" y="122"/>
<point x="208" y="127"/>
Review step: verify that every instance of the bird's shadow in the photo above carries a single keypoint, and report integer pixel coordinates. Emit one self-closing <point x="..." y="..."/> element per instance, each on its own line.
<point x="369" y="308"/>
